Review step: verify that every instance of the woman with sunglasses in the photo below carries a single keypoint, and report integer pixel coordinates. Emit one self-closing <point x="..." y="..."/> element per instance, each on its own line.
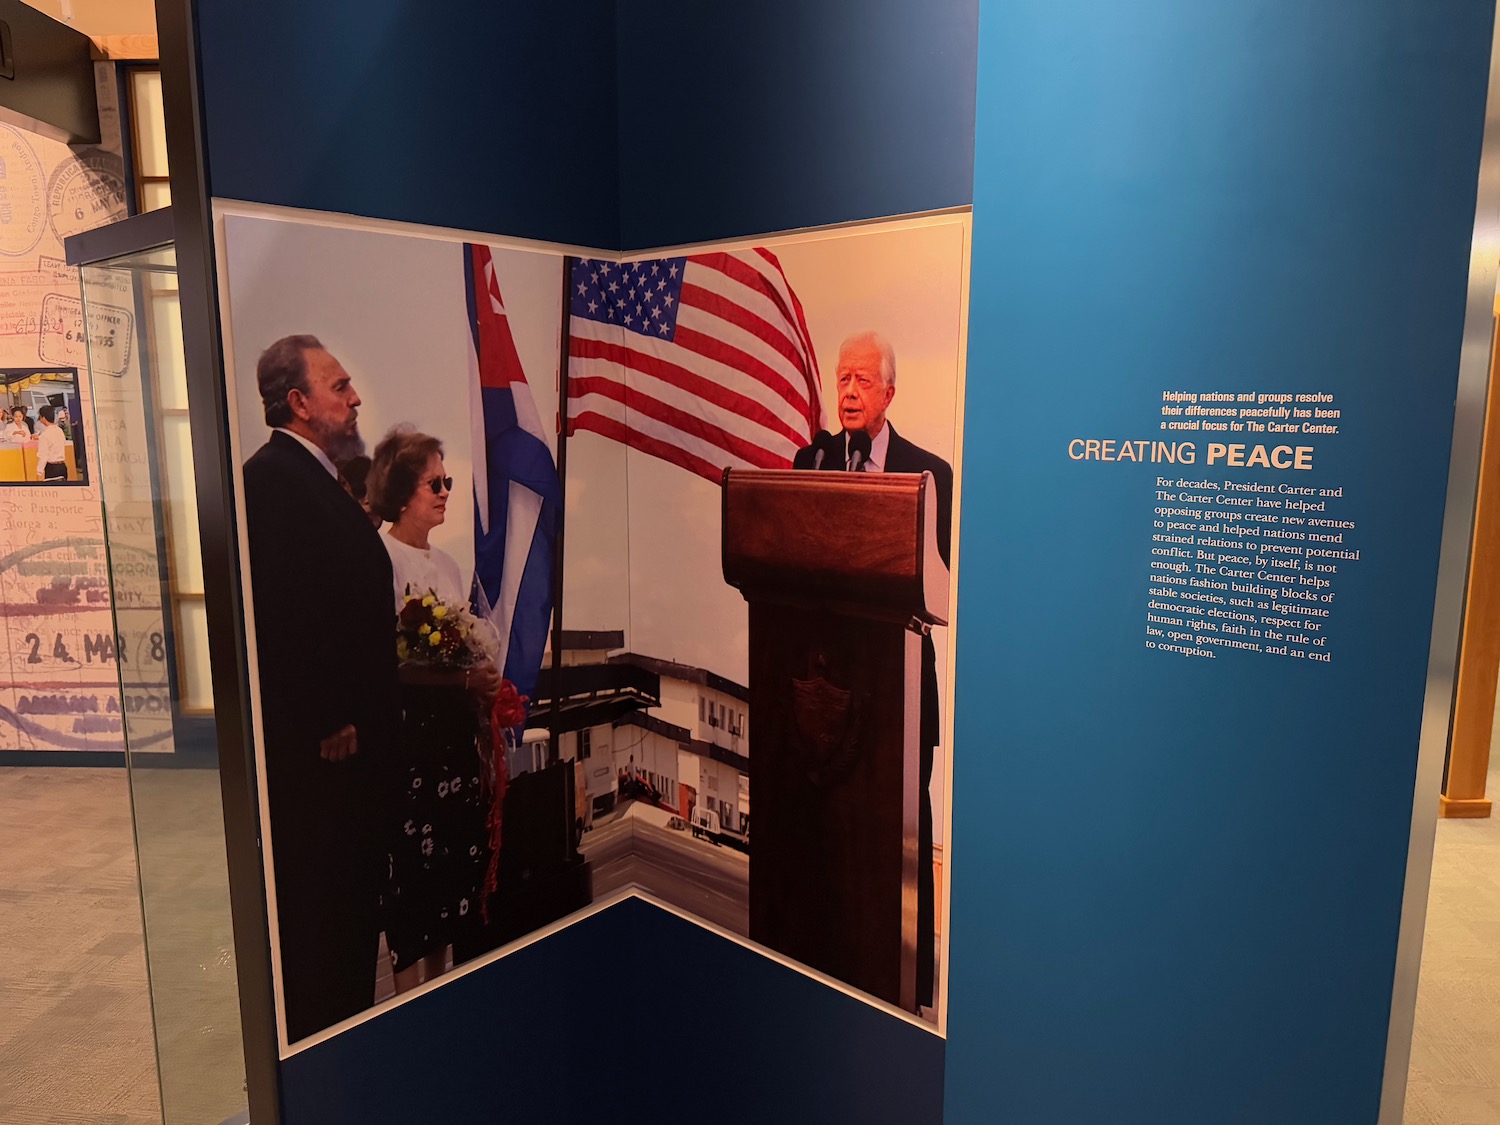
<point x="439" y="841"/>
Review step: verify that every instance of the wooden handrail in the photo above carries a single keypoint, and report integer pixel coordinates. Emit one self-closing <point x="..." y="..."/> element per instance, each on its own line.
<point x="1479" y="652"/>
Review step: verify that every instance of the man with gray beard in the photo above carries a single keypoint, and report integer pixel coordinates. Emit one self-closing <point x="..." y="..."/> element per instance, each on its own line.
<point x="320" y="584"/>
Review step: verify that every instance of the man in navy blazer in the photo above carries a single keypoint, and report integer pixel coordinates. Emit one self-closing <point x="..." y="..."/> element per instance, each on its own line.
<point x="325" y="636"/>
<point x="866" y="379"/>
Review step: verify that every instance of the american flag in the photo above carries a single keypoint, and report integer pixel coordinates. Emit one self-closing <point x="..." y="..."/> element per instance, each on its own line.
<point x="704" y="360"/>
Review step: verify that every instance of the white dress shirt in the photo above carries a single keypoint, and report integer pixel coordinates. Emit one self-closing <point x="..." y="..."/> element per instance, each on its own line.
<point x="314" y="449"/>
<point x="51" y="449"/>
<point x="878" y="446"/>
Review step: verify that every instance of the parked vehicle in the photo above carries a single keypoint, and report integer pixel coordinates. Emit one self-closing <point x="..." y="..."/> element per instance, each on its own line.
<point x="706" y="825"/>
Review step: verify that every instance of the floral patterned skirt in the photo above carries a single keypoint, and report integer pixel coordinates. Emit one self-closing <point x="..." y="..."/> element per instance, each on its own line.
<point x="439" y="847"/>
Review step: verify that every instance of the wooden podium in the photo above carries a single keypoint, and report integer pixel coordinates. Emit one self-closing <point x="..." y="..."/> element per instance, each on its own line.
<point x="843" y="575"/>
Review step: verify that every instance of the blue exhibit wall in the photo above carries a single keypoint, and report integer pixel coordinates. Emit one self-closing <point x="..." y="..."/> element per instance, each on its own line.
<point x="485" y="115"/>
<point x="507" y="118"/>
<point x="587" y="122"/>
<point x="631" y="1015"/>
<point x="517" y="1040"/>
<point x="740" y="119"/>
<point x="1177" y="880"/>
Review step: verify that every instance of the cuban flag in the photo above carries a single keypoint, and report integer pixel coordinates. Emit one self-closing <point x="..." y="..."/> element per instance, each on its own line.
<point x="517" y="494"/>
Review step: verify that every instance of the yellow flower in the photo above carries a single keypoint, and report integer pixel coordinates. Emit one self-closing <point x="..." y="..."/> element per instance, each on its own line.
<point x="429" y="600"/>
<point x="440" y="611"/>
<point x="435" y="639"/>
<point x="424" y="630"/>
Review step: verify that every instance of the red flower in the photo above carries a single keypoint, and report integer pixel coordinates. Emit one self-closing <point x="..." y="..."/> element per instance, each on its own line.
<point x="510" y="706"/>
<point x="414" y="615"/>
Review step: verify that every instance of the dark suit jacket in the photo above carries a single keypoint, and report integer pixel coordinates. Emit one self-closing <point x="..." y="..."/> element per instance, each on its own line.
<point x="901" y="456"/>
<point x="326" y="642"/>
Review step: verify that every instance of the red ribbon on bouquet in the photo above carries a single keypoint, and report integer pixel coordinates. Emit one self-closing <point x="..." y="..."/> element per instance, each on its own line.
<point x="507" y="713"/>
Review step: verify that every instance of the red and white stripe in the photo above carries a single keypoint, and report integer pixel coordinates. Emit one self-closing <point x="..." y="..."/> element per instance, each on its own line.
<point x="737" y="387"/>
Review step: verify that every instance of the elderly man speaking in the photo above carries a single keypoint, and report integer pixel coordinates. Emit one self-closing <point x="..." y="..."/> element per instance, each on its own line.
<point x="868" y="443"/>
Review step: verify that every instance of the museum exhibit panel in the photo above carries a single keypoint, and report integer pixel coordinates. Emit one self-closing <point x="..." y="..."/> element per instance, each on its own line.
<point x="560" y="702"/>
<point x="60" y="152"/>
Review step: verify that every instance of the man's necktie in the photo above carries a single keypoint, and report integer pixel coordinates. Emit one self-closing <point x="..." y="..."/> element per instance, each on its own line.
<point x="859" y="452"/>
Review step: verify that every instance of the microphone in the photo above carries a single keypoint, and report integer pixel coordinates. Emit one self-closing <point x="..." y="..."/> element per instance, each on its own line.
<point x="820" y="443"/>
<point x="859" y="449"/>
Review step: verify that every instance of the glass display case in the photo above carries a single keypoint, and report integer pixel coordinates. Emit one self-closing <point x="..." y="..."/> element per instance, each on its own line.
<point x="142" y="461"/>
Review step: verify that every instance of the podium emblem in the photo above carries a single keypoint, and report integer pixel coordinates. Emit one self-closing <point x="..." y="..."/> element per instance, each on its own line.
<point x="825" y="726"/>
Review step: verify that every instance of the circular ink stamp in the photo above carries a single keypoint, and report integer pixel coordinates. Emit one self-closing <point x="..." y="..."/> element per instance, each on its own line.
<point x="68" y="660"/>
<point x="22" y="197"/>
<point x="87" y="190"/>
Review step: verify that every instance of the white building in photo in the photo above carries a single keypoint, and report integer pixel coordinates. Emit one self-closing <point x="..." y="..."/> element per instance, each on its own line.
<point x="696" y="742"/>
<point x="638" y="726"/>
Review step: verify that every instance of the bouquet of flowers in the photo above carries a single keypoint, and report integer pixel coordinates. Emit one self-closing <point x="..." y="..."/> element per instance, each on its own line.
<point x="430" y="631"/>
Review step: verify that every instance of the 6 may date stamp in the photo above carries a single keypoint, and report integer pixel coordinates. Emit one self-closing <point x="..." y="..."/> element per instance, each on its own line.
<point x="86" y="190"/>
<point x="111" y="329"/>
